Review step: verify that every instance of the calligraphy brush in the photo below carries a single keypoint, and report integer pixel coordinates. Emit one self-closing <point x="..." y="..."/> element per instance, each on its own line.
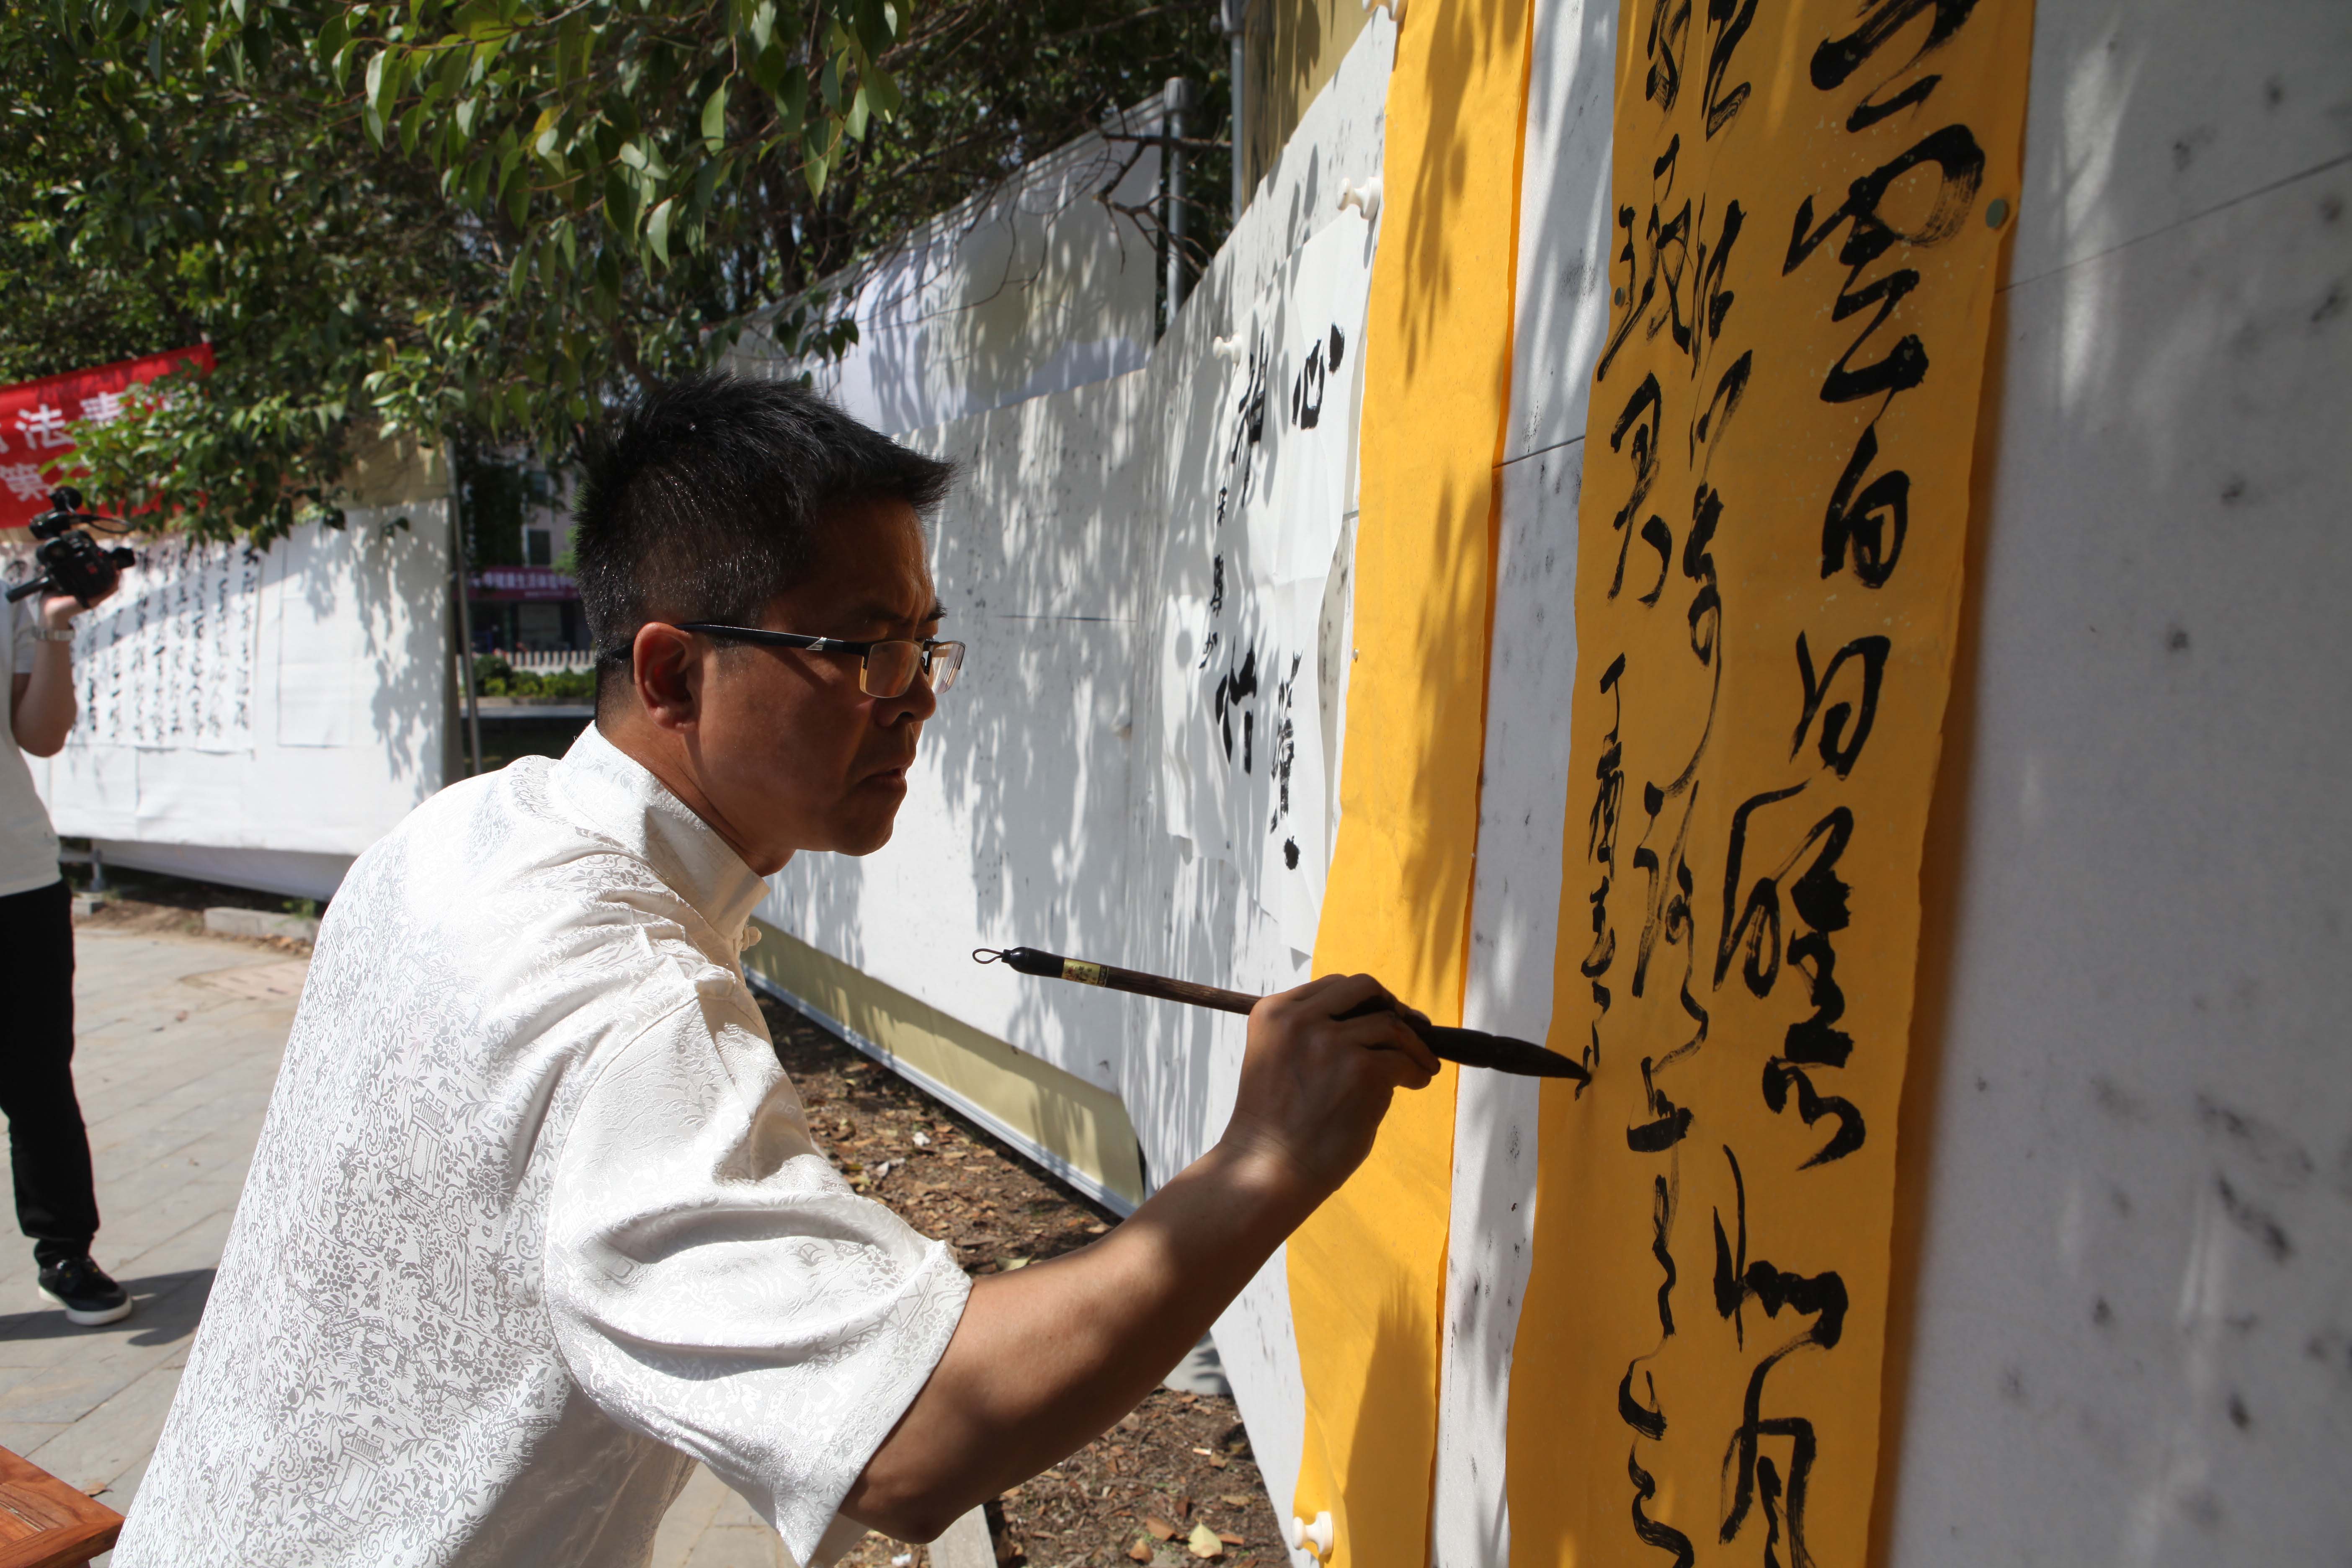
<point x="1469" y="1048"/>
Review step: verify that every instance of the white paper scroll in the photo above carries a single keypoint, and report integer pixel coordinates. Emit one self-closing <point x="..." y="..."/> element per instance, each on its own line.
<point x="167" y="662"/>
<point x="1240" y="665"/>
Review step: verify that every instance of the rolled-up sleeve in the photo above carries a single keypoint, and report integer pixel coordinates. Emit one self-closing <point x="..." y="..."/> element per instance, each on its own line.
<point x="715" y="1284"/>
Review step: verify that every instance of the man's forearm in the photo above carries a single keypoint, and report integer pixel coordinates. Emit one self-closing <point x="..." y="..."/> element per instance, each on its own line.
<point x="1046" y="1358"/>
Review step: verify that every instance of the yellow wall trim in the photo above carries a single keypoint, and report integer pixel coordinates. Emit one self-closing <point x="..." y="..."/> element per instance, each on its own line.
<point x="1079" y="1132"/>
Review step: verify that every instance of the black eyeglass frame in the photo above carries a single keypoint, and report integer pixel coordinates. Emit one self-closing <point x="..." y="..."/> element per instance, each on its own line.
<point x="929" y="648"/>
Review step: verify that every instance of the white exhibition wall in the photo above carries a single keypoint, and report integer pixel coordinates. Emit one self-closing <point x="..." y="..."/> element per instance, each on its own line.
<point x="2131" y="1136"/>
<point x="261" y="718"/>
<point x="1040" y="812"/>
<point x="1035" y="286"/>
<point x="2125" y="1333"/>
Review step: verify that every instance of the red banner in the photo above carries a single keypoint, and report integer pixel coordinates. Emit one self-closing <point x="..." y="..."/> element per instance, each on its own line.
<point x="37" y="417"/>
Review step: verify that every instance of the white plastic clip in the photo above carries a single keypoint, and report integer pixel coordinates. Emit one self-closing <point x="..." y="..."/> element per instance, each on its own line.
<point x="1395" y="8"/>
<point x="1227" y="348"/>
<point x="1365" y="198"/>
<point x="1316" y="1538"/>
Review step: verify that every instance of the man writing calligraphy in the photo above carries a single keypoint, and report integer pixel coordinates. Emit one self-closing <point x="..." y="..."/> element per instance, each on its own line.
<point x="536" y="1220"/>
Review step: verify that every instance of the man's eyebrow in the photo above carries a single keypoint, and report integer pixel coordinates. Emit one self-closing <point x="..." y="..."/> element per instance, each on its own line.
<point x="875" y="610"/>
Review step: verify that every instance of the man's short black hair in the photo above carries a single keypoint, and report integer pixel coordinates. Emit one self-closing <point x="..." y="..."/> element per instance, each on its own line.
<point x="701" y="502"/>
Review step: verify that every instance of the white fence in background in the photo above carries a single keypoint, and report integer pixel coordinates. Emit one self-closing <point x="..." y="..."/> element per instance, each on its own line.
<point x="1033" y="288"/>
<point x="261" y="718"/>
<point x="545" y="661"/>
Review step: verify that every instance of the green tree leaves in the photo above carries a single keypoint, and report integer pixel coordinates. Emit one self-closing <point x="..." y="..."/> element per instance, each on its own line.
<point x="483" y="220"/>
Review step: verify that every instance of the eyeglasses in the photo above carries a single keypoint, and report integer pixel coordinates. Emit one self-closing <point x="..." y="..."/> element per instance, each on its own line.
<point x="884" y="669"/>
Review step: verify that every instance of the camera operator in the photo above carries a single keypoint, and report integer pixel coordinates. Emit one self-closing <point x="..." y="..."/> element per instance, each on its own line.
<point x="48" y="1151"/>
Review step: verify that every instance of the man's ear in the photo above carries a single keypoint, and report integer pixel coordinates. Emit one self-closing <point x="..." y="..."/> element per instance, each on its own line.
<point x="667" y="672"/>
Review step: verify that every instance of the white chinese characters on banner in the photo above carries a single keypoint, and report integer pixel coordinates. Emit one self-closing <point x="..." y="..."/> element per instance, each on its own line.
<point x="1239" y="666"/>
<point x="168" y="662"/>
<point x="43" y="428"/>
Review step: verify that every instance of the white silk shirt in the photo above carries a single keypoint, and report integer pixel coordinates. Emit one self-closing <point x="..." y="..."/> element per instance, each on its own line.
<point x="535" y="1220"/>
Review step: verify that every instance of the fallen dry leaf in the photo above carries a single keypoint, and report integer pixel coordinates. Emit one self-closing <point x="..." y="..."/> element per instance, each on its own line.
<point x="1229" y="1539"/>
<point x="1233" y="1500"/>
<point x="1161" y="1529"/>
<point x="1204" y="1542"/>
<point x="1140" y="1551"/>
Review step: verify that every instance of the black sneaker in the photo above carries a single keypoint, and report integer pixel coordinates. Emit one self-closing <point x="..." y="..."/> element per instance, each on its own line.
<point x="83" y="1289"/>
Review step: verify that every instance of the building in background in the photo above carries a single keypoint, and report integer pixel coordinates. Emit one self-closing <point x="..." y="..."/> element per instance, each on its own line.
<point x="518" y="519"/>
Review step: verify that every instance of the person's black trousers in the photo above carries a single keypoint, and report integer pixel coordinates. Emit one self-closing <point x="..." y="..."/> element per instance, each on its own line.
<point x="48" y="1151"/>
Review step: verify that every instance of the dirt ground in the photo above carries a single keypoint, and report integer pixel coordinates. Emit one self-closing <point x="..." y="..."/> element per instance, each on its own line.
<point x="1177" y="1462"/>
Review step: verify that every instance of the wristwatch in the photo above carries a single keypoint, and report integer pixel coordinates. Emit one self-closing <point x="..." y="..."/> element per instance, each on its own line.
<point x="43" y="634"/>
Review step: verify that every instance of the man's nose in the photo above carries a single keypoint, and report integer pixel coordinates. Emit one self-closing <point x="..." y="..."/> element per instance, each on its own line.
<point x="919" y="701"/>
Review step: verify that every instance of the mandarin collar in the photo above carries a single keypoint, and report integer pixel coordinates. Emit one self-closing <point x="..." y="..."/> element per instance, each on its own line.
<point x="621" y="796"/>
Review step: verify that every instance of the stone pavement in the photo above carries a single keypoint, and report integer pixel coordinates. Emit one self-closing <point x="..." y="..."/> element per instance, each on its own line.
<point x="178" y="1043"/>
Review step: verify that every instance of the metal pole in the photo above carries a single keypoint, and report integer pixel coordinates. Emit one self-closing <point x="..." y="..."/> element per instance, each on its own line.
<point x="1236" y="19"/>
<point x="458" y="555"/>
<point x="1179" y="98"/>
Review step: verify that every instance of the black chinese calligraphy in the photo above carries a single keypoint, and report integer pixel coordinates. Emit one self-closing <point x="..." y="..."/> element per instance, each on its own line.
<point x="1840" y="746"/>
<point x="1822" y="1297"/>
<point x="1234" y="690"/>
<point x="1872" y="517"/>
<point x="1601" y="850"/>
<point x="1835" y="59"/>
<point x="1649" y="1420"/>
<point x="1249" y="432"/>
<point x="169" y="661"/>
<point x="1306" y="387"/>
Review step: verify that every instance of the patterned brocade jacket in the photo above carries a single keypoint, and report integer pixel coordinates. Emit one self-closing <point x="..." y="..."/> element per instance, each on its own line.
<point x="535" y="1221"/>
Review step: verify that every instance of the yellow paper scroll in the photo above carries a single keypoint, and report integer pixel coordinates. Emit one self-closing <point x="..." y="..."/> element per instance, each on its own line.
<point x="1368" y="1272"/>
<point x="1810" y="200"/>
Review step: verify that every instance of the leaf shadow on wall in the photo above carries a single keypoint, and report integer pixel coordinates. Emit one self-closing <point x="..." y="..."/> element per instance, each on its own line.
<point x="1015" y="830"/>
<point x="400" y="594"/>
<point x="2115" y="768"/>
<point x="1460" y="127"/>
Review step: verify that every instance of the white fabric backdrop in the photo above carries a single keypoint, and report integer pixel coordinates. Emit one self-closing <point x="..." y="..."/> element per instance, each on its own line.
<point x="290" y="705"/>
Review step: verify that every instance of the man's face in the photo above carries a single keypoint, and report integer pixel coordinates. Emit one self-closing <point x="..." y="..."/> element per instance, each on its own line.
<point x="790" y="751"/>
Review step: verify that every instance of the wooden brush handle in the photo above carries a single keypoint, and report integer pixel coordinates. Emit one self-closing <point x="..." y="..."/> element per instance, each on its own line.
<point x="1053" y="966"/>
<point x="1468" y="1047"/>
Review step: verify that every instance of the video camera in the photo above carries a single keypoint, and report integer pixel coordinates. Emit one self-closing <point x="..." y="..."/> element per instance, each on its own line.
<point x="71" y="562"/>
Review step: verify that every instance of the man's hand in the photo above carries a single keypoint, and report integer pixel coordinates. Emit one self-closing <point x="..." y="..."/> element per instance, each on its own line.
<point x="1314" y="1084"/>
<point x="58" y="610"/>
<point x="1047" y="1359"/>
